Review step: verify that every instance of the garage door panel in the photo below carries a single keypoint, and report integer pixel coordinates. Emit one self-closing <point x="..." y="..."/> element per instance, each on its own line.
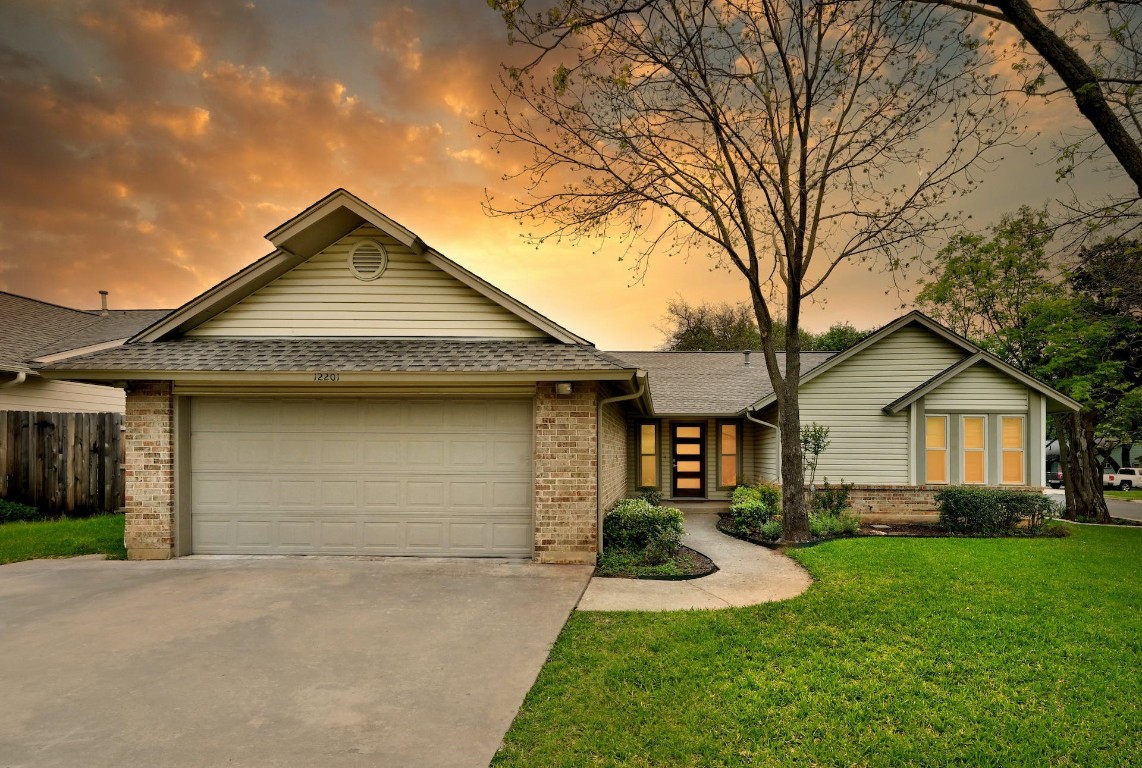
<point x="373" y="476"/>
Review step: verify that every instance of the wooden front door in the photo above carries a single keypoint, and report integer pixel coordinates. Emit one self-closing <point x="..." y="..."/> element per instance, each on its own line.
<point x="688" y="452"/>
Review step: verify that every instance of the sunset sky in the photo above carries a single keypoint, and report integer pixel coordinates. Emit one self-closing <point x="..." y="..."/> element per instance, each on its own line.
<point x="146" y="147"/>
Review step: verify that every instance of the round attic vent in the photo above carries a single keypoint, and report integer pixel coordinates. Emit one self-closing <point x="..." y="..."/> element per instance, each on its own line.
<point x="367" y="260"/>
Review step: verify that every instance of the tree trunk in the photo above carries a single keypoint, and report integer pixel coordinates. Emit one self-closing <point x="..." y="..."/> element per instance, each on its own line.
<point x="1065" y="466"/>
<point x="1080" y="80"/>
<point x="1084" y="471"/>
<point x="794" y="510"/>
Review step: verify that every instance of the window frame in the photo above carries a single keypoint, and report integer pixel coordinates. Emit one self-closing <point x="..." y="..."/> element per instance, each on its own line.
<point x="964" y="449"/>
<point x="737" y="425"/>
<point x="1022" y="450"/>
<point x="657" y="425"/>
<point x="947" y="449"/>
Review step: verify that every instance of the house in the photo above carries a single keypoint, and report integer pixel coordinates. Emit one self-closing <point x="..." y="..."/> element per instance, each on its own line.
<point x="34" y="333"/>
<point x="357" y="392"/>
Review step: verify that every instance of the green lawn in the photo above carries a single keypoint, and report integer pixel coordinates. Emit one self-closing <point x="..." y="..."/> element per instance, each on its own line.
<point x="1132" y="495"/>
<point x="62" y="538"/>
<point x="973" y="652"/>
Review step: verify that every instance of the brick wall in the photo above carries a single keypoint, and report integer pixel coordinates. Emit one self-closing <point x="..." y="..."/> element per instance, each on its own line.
<point x="614" y="469"/>
<point x="149" y="490"/>
<point x="901" y="503"/>
<point x="565" y="511"/>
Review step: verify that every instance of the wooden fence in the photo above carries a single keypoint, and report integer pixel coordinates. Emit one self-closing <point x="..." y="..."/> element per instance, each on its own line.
<point x="62" y="463"/>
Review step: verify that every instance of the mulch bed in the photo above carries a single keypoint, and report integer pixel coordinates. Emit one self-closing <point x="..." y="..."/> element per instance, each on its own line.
<point x="691" y="563"/>
<point x="916" y="530"/>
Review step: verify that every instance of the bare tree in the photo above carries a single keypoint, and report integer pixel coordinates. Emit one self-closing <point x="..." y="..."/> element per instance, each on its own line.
<point x="1095" y="49"/>
<point x="781" y="138"/>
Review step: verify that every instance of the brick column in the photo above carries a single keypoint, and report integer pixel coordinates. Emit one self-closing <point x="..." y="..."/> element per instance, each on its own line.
<point x="149" y="488"/>
<point x="565" y="474"/>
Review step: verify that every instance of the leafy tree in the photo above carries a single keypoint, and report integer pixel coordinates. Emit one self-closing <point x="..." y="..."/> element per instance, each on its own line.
<point x="1094" y="47"/>
<point x="981" y="286"/>
<point x="839" y="337"/>
<point x="780" y="138"/>
<point x="732" y="327"/>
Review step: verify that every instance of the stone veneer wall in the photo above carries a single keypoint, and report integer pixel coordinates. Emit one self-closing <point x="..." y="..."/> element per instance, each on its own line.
<point x="902" y="503"/>
<point x="614" y="469"/>
<point x="149" y="489"/>
<point x="565" y="479"/>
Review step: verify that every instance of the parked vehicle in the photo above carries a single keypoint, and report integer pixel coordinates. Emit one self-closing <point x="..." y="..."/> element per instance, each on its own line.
<point x="1054" y="478"/>
<point x="1123" y="479"/>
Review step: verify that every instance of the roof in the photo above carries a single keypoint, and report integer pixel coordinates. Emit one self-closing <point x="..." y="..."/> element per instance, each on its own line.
<point x="343" y="355"/>
<point x="307" y="234"/>
<point x="916" y="317"/>
<point x="30" y="329"/>
<point x="706" y="383"/>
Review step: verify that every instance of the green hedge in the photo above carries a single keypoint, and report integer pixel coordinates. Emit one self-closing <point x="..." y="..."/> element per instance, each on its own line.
<point x="636" y="525"/>
<point x="753" y="506"/>
<point x="993" y="511"/>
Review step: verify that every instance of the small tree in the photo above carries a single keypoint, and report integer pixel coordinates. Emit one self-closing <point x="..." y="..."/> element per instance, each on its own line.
<point x="814" y="441"/>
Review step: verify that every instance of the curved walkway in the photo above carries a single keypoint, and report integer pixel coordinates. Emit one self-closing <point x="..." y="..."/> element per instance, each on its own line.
<point x="748" y="575"/>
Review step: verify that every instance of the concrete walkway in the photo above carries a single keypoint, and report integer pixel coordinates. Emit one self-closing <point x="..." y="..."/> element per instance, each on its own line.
<point x="748" y="575"/>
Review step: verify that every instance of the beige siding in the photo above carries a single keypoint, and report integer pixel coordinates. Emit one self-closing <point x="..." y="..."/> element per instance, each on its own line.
<point x="979" y="388"/>
<point x="613" y="472"/>
<point x="766" y="462"/>
<point x="61" y="397"/>
<point x="412" y="298"/>
<point x="867" y="445"/>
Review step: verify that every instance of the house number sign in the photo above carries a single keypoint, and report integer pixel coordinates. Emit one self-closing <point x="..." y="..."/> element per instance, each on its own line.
<point x="327" y="377"/>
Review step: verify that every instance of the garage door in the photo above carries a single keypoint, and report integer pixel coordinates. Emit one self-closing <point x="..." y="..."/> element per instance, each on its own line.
<point x="361" y="476"/>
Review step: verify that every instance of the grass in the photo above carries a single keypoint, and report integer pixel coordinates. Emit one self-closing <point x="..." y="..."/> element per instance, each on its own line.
<point x="1131" y="495"/>
<point x="62" y="538"/>
<point x="980" y="652"/>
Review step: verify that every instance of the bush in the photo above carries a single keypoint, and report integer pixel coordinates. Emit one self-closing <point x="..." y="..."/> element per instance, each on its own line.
<point x="12" y="511"/>
<point x="771" y="530"/>
<point x="752" y="506"/>
<point x="636" y="525"/>
<point x="992" y="511"/>
<point x="823" y="525"/>
<point x="650" y="494"/>
<point x="831" y="499"/>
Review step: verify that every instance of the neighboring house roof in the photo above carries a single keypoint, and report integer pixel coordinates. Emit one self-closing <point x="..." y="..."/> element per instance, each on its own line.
<point x="31" y="329"/>
<point x="916" y="317"/>
<point x="343" y="355"/>
<point x="305" y="235"/>
<point x="709" y="383"/>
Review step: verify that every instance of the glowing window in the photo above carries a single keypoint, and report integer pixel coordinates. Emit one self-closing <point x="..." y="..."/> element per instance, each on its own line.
<point x="975" y="449"/>
<point x="936" y="441"/>
<point x="1013" y="463"/>
<point x="728" y="452"/>
<point x="648" y="454"/>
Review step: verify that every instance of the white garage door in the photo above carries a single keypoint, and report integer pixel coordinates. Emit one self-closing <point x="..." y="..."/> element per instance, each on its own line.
<point x="361" y="476"/>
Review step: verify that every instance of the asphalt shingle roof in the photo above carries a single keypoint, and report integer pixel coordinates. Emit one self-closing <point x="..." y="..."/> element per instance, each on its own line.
<point x="30" y="329"/>
<point x="362" y="355"/>
<point x="708" y="383"/>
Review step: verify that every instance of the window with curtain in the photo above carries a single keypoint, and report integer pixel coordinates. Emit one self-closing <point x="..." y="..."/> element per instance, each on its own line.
<point x="1013" y="450"/>
<point x="936" y="441"/>
<point x="728" y="452"/>
<point x="974" y="433"/>
<point x="648" y="454"/>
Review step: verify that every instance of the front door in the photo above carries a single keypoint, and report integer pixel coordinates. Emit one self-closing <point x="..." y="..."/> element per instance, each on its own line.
<point x="688" y="446"/>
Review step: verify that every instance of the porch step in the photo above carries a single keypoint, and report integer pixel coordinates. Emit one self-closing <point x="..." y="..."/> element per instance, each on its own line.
<point x="699" y="506"/>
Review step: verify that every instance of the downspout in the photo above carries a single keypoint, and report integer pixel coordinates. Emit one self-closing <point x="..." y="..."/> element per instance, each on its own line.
<point x="777" y="434"/>
<point x="640" y="377"/>
<point x="20" y="378"/>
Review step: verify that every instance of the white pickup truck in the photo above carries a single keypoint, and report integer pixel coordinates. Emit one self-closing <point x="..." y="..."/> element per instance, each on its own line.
<point x="1123" y="479"/>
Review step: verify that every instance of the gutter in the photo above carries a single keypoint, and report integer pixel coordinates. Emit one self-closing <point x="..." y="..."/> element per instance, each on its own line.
<point x="21" y="377"/>
<point x="640" y="377"/>
<point x="774" y="427"/>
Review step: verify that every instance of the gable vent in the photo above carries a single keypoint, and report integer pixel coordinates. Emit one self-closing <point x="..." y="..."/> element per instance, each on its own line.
<point x="367" y="260"/>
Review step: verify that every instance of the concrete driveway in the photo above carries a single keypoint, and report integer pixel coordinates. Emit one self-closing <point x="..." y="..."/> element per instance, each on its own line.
<point x="271" y="662"/>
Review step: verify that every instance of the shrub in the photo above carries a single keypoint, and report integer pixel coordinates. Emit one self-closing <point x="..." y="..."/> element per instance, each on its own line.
<point x="771" y="530"/>
<point x="749" y="516"/>
<point x="770" y="494"/>
<point x="636" y="525"/>
<point x="11" y="511"/>
<point x="831" y="499"/>
<point x="824" y="525"/>
<point x="649" y="493"/>
<point x="992" y="511"/>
